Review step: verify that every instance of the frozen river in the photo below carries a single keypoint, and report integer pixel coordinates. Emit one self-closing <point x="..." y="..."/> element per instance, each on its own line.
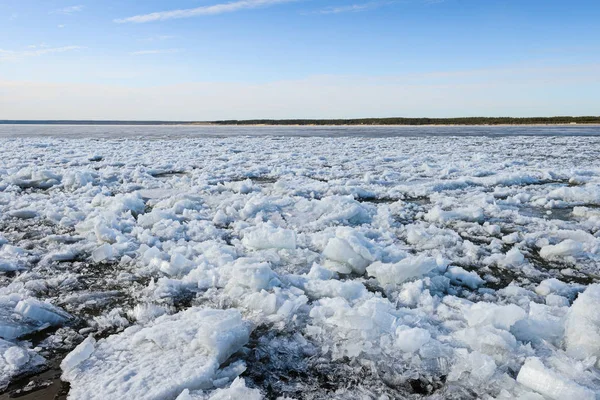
<point x="164" y="262"/>
<point x="185" y="131"/>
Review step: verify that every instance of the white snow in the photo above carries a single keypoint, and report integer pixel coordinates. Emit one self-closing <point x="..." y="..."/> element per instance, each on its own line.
<point x="159" y="360"/>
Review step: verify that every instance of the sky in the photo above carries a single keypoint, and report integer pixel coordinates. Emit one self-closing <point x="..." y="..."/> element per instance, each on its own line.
<point x="241" y="59"/>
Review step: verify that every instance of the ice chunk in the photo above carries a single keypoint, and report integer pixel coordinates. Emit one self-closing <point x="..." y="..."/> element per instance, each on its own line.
<point x="249" y="274"/>
<point x="16" y="357"/>
<point x="146" y="312"/>
<point x="35" y="178"/>
<point x="64" y="254"/>
<point x="178" y="264"/>
<point x="269" y="236"/>
<point x="582" y="328"/>
<point x="103" y="253"/>
<point x="9" y="265"/>
<point x="320" y="273"/>
<point x="237" y="390"/>
<point x="95" y="158"/>
<point x="173" y="353"/>
<point x="557" y="301"/>
<point x="566" y="248"/>
<point x="23" y="213"/>
<point x="10" y="330"/>
<point x="408" y="268"/>
<point x="436" y="214"/>
<point x="501" y="317"/>
<point x="543" y="323"/>
<point x="476" y="368"/>
<point x="221" y="218"/>
<point x="536" y="376"/>
<point x="42" y="312"/>
<point x="350" y="290"/>
<point x="497" y="343"/>
<point x="353" y="329"/>
<point x="76" y="179"/>
<point x="554" y="286"/>
<point x="513" y="258"/>
<point x="79" y="354"/>
<point x="590" y="193"/>
<point x="410" y="293"/>
<point x="350" y="252"/>
<point x="16" y="360"/>
<point x="460" y="276"/>
<point x="410" y="340"/>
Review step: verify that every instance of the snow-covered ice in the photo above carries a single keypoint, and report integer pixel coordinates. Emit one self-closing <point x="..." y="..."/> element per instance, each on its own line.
<point x="302" y="267"/>
<point x="159" y="360"/>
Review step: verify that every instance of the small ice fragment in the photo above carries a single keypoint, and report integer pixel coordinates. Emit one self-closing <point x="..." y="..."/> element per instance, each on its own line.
<point x="500" y="317"/>
<point x="555" y="286"/>
<point x="16" y="357"/>
<point x="237" y="390"/>
<point x="79" y="354"/>
<point x="269" y="236"/>
<point x="513" y="258"/>
<point x="103" y="253"/>
<point x="460" y="276"/>
<point x="408" y="268"/>
<point x="555" y="300"/>
<point x="23" y="213"/>
<point x="536" y="376"/>
<point x="348" y="252"/>
<point x="565" y="248"/>
<point x="410" y="340"/>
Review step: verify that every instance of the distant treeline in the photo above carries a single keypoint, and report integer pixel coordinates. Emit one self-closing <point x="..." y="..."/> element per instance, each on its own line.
<point x="419" y="121"/>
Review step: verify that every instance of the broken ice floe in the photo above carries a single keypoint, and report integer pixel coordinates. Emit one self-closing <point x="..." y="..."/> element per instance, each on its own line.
<point x="398" y="267"/>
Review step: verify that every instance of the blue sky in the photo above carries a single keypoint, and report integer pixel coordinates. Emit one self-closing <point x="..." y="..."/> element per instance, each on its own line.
<point x="212" y="59"/>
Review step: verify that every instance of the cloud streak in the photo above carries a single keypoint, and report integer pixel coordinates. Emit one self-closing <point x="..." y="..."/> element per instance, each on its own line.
<point x="11" y="55"/>
<point x="354" y="7"/>
<point x="155" y="51"/>
<point x="200" y="11"/>
<point x="68" y="10"/>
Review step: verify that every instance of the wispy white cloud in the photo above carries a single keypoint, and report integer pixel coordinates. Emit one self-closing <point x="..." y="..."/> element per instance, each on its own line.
<point x="35" y="51"/>
<point x="155" y="51"/>
<point x="13" y="16"/>
<point x="199" y="11"/>
<point x="355" y="7"/>
<point x="60" y="26"/>
<point x="68" y="10"/>
<point x="158" y="38"/>
<point x="358" y="7"/>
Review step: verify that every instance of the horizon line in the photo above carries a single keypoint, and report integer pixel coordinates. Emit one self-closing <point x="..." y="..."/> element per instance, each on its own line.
<point x="480" y="120"/>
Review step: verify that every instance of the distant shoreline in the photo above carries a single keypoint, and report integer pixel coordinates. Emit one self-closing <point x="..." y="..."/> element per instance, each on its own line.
<point x="359" y="122"/>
